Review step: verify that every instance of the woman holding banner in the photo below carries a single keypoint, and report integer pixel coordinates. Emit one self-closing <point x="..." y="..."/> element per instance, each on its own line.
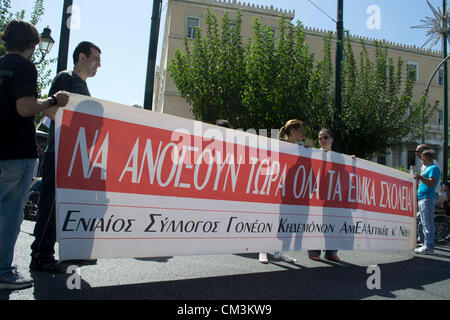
<point x="291" y="132"/>
<point x="325" y="142"/>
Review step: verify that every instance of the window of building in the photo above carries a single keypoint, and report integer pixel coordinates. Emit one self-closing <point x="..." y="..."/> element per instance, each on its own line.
<point x="269" y="29"/>
<point x="440" y="77"/>
<point x="411" y="158"/>
<point x="440" y="117"/>
<point x="191" y="24"/>
<point x="413" y="67"/>
<point x="231" y="28"/>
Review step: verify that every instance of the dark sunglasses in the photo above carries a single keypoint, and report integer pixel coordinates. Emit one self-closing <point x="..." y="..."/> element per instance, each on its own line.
<point x="324" y="137"/>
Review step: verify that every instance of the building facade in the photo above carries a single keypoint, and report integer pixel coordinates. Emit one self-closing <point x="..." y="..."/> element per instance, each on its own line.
<point x="183" y="16"/>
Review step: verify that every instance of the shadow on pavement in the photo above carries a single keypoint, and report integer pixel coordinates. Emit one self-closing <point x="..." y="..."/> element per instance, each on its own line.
<point x="157" y="259"/>
<point x="341" y="281"/>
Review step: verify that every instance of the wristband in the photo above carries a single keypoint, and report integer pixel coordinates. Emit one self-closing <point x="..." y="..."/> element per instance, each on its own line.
<point x="52" y="100"/>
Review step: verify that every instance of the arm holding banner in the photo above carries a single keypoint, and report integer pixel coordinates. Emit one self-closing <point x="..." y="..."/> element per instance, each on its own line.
<point x="428" y="181"/>
<point x="30" y="106"/>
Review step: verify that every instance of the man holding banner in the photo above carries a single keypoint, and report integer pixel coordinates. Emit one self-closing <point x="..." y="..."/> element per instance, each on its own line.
<point x="86" y="59"/>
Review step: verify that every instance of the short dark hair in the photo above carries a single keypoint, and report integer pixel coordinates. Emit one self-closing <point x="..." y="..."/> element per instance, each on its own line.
<point x="420" y="148"/>
<point x="429" y="154"/>
<point x="20" y="35"/>
<point x="84" y="47"/>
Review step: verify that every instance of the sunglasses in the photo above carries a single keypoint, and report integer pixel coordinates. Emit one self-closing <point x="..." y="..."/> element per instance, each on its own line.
<point x="324" y="137"/>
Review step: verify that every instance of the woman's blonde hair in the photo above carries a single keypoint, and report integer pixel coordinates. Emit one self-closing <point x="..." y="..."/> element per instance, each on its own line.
<point x="286" y="129"/>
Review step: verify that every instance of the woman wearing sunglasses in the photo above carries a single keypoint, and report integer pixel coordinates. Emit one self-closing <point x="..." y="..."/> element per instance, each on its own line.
<point x="325" y="141"/>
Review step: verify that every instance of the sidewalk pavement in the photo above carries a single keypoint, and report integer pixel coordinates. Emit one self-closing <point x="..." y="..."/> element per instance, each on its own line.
<point x="403" y="275"/>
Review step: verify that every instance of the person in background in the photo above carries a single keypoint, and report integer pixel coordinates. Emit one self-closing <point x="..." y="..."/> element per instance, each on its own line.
<point x="426" y="197"/>
<point x="447" y="193"/>
<point x="325" y="142"/>
<point x="292" y="132"/>
<point x="18" y="105"/>
<point x="421" y="148"/>
<point x="223" y="123"/>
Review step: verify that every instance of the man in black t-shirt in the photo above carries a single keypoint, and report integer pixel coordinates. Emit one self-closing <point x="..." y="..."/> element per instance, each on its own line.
<point x="18" y="105"/>
<point x="86" y="58"/>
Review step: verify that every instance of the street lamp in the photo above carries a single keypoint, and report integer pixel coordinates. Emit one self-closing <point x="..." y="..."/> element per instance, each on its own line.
<point x="337" y="81"/>
<point x="46" y="43"/>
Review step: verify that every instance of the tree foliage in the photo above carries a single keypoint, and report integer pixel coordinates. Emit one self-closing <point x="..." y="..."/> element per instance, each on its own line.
<point x="273" y="78"/>
<point x="256" y="85"/>
<point x="211" y="74"/>
<point x="377" y="108"/>
<point x="6" y="15"/>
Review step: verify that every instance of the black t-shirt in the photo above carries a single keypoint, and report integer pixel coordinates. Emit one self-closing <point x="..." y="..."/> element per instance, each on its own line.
<point x="68" y="81"/>
<point x="18" y="79"/>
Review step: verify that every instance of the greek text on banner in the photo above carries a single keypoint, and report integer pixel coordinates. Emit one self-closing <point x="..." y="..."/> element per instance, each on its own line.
<point x="135" y="183"/>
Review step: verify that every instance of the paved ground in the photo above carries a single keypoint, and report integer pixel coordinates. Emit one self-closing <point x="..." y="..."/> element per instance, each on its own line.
<point x="404" y="276"/>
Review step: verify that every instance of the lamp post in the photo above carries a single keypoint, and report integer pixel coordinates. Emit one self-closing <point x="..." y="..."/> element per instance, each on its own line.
<point x="337" y="86"/>
<point x="426" y="94"/>
<point x="64" y="37"/>
<point x="444" y="43"/>
<point x="152" y="50"/>
<point x="46" y="43"/>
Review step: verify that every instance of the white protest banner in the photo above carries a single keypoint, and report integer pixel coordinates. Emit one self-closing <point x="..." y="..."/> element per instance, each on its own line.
<point x="136" y="183"/>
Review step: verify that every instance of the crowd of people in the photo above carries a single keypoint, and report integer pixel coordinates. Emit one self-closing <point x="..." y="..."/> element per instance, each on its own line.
<point x="19" y="104"/>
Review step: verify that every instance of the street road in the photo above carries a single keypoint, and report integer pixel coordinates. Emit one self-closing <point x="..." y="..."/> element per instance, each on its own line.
<point x="403" y="275"/>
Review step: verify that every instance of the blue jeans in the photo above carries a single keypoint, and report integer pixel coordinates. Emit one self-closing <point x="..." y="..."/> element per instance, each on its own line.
<point x="426" y="219"/>
<point x="15" y="183"/>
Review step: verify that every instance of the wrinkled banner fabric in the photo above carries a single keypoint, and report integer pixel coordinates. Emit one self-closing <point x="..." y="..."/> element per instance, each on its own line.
<point x="136" y="183"/>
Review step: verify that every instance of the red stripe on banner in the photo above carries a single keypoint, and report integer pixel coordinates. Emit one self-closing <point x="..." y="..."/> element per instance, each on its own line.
<point x="100" y="154"/>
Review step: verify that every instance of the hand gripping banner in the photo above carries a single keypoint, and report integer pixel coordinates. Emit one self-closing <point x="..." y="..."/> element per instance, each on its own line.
<point x="136" y="183"/>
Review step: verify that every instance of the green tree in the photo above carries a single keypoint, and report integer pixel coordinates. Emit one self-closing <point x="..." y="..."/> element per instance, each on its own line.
<point x="274" y="78"/>
<point x="44" y="70"/>
<point x="278" y="76"/>
<point x="377" y="108"/>
<point x="6" y="15"/>
<point x="211" y="75"/>
<point x="259" y="85"/>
